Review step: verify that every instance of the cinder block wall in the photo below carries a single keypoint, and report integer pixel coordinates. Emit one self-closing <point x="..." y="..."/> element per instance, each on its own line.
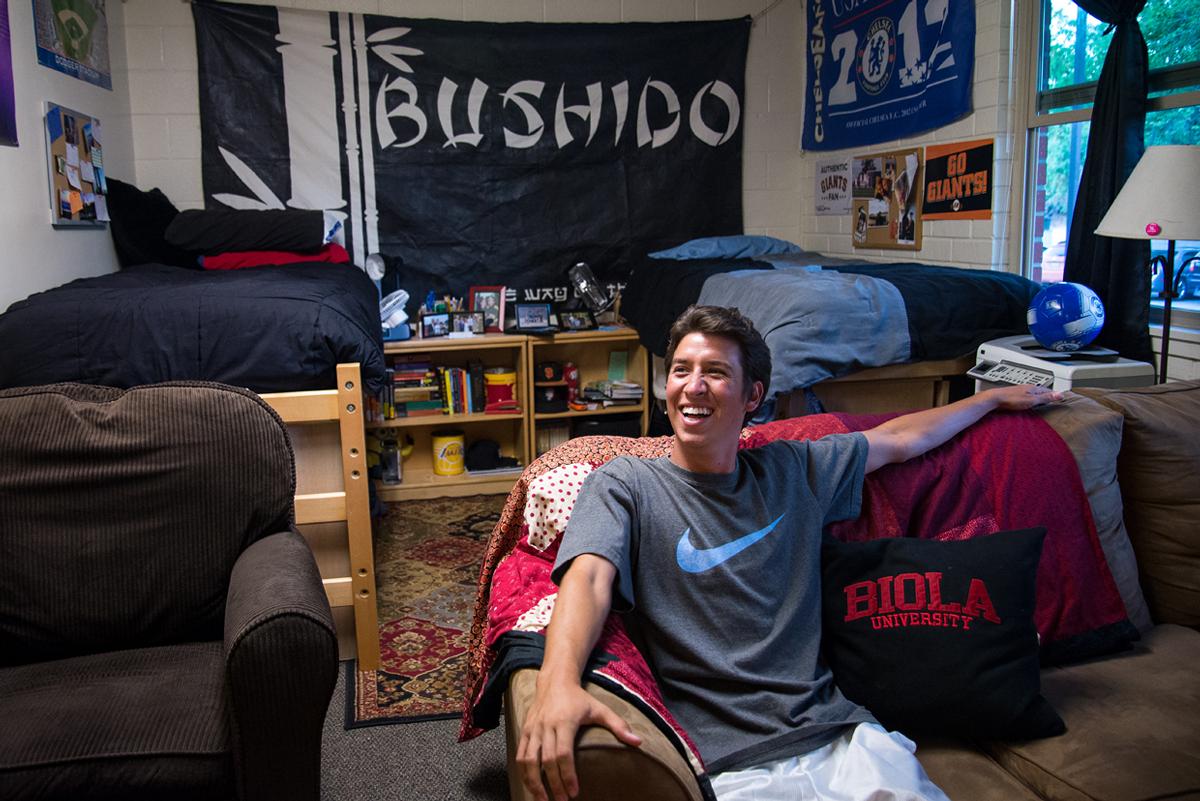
<point x="959" y="243"/>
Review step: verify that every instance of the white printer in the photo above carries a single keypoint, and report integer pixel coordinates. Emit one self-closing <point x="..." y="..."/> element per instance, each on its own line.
<point x="1022" y="360"/>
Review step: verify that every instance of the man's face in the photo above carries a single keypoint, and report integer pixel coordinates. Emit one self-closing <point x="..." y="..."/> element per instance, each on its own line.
<point x="707" y="398"/>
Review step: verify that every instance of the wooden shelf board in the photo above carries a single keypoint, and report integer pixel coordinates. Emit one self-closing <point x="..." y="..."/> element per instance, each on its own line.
<point x="632" y="409"/>
<point x="478" y="342"/>
<point x="443" y="419"/>
<point x="424" y="484"/>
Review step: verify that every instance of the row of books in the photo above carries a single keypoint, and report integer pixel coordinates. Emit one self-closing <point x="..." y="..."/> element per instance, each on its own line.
<point x="417" y="387"/>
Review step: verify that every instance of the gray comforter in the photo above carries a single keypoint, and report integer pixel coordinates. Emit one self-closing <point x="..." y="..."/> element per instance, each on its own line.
<point x="818" y="323"/>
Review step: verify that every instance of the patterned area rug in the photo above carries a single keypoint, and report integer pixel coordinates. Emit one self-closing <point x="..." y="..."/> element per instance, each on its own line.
<point x="427" y="559"/>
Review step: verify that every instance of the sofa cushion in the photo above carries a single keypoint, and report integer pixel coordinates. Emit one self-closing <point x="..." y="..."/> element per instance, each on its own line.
<point x="150" y="721"/>
<point x="938" y="636"/>
<point x="968" y="774"/>
<point x="132" y="484"/>
<point x="1131" y="725"/>
<point x="1158" y="469"/>
<point x="1093" y="433"/>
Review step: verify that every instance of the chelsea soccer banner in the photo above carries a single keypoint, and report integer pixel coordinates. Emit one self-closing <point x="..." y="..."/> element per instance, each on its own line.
<point x="879" y="71"/>
<point x="472" y="153"/>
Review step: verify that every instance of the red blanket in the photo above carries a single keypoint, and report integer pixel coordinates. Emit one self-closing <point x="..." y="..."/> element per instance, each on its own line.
<point x="1009" y="471"/>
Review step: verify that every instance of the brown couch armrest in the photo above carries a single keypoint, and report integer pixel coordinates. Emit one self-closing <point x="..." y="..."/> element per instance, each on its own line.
<point x="607" y="768"/>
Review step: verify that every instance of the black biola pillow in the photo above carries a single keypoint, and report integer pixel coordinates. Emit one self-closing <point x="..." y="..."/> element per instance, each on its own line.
<point x="938" y="637"/>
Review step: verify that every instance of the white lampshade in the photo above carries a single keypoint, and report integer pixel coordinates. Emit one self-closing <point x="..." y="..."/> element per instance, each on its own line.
<point x="1161" y="199"/>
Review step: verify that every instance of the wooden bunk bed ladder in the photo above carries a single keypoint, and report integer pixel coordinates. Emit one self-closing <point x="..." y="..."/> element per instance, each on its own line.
<point x="343" y="405"/>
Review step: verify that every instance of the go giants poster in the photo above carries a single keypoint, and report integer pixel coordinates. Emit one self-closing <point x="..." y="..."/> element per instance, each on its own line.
<point x="958" y="181"/>
<point x="472" y="153"/>
<point x="879" y="71"/>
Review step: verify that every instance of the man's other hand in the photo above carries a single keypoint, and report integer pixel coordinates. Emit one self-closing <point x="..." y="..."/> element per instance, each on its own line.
<point x="548" y="738"/>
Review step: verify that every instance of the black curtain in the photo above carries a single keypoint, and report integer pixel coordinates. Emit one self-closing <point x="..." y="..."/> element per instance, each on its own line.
<point x="1114" y="268"/>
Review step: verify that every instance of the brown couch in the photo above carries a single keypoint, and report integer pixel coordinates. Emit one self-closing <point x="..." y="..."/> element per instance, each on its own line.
<point x="1133" y="718"/>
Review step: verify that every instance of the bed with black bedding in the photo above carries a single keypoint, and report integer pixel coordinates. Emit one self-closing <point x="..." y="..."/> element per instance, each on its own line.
<point x="182" y="307"/>
<point x="825" y="317"/>
<point x="269" y="329"/>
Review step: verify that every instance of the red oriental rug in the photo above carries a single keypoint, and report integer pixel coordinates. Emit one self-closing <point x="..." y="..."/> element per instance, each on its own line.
<point x="427" y="559"/>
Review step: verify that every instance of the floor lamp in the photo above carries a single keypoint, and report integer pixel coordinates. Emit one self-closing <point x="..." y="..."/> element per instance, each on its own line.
<point x="1161" y="200"/>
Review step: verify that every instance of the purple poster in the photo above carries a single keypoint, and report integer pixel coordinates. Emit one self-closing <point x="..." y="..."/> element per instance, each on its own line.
<point x="8" y="116"/>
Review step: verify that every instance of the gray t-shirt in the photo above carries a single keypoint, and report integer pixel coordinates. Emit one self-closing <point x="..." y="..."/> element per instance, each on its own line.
<point x="720" y="575"/>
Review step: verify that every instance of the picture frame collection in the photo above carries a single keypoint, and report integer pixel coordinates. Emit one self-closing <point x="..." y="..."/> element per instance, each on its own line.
<point x="485" y="314"/>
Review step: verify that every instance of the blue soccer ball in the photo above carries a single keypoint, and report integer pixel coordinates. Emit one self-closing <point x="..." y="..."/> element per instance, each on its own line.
<point x="1065" y="316"/>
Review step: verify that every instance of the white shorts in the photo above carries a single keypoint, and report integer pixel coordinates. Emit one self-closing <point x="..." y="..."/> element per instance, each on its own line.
<point x="866" y="763"/>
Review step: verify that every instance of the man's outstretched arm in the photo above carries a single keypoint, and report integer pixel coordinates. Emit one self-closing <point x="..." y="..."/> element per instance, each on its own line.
<point x="561" y="705"/>
<point x="902" y="438"/>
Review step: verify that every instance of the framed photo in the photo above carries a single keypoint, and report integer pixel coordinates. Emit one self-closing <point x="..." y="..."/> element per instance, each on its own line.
<point x="435" y="325"/>
<point x="533" y="316"/>
<point x="489" y="300"/>
<point x="581" y="320"/>
<point x="470" y="322"/>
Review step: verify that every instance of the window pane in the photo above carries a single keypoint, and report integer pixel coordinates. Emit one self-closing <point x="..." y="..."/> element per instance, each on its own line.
<point x="1058" y="151"/>
<point x="1170" y="31"/>
<point x="1173" y="126"/>
<point x="1076" y="42"/>
<point x="1075" y="45"/>
<point x="1176" y="126"/>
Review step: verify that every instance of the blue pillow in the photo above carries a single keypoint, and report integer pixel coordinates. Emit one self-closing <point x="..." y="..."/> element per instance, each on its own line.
<point x="728" y="247"/>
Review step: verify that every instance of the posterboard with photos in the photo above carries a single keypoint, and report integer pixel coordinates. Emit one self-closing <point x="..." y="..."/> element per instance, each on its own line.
<point x="885" y="199"/>
<point x="75" y="165"/>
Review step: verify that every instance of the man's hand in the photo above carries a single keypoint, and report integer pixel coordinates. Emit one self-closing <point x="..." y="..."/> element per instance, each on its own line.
<point x="548" y="738"/>
<point x="1024" y="396"/>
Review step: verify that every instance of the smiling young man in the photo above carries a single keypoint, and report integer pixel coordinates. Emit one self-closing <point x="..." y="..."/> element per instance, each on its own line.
<point x="714" y="554"/>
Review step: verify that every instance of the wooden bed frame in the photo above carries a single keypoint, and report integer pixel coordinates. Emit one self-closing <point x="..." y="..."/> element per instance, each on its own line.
<point x="332" y="503"/>
<point x="892" y="388"/>
<point x="875" y="390"/>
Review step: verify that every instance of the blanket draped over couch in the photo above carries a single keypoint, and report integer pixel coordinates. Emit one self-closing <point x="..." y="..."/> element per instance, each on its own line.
<point x="1010" y="471"/>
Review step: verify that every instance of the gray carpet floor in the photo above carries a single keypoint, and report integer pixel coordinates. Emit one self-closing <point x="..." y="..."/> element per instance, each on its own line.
<point x="408" y="761"/>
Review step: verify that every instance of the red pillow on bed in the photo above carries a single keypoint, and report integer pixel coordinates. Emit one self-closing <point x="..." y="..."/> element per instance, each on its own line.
<point x="333" y="253"/>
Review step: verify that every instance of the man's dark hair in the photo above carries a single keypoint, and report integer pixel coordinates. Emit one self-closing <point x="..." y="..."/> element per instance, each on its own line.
<point x="727" y="322"/>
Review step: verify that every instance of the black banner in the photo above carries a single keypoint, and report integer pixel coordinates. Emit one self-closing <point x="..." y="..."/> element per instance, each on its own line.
<point x="477" y="153"/>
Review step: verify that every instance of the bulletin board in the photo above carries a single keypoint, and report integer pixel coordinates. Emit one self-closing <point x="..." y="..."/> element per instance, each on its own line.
<point x="75" y="166"/>
<point x="885" y="199"/>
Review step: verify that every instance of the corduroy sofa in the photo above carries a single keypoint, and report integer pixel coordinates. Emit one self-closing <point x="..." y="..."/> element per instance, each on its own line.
<point x="164" y="633"/>
<point x="1133" y="718"/>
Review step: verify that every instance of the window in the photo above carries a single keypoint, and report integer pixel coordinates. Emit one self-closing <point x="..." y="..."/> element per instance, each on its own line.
<point x="1069" y="53"/>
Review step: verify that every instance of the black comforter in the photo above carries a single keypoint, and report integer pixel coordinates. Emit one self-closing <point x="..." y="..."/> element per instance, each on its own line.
<point x="269" y="329"/>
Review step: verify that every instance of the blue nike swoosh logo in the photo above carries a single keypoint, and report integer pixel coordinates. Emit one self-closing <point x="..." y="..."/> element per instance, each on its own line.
<point x="696" y="560"/>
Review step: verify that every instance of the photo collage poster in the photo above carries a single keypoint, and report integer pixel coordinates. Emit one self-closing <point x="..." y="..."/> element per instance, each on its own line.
<point x="885" y="205"/>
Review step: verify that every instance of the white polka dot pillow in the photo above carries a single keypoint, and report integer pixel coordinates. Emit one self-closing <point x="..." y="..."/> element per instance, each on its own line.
<point x="549" y="501"/>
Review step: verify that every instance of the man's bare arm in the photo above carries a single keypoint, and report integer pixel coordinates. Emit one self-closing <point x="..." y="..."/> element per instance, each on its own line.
<point x="560" y="704"/>
<point x="902" y="438"/>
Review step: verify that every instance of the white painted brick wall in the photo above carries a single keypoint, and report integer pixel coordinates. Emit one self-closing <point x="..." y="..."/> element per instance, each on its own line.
<point x="975" y="244"/>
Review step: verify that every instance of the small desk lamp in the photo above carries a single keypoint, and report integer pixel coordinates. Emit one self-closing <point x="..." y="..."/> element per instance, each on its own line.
<point x="1161" y="200"/>
<point x="588" y="288"/>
